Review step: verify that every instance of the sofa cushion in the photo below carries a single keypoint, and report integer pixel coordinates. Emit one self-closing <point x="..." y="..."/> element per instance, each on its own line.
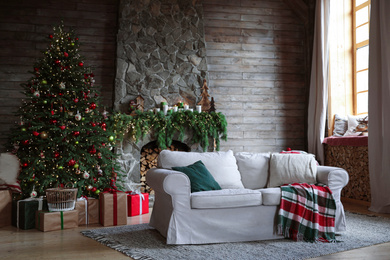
<point x="271" y="196"/>
<point x="291" y="168"/>
<point x="221" y="165"/>
<point x="200" y="177"/>
<point x="227" y="198"/>
<point x="254" y="169"/>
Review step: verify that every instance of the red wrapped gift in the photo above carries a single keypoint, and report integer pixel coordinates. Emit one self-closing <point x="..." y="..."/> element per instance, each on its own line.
<point x="137" y="204"/>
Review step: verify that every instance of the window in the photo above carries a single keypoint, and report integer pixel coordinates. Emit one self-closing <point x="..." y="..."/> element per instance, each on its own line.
<point x="361" y="24"/>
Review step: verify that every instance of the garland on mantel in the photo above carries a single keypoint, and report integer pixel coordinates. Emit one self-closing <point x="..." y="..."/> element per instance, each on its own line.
<point x="203" y="126"/>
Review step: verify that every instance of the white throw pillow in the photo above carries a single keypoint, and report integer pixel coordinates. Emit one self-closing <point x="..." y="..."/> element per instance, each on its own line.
<point x="291" y="168"/>
<point x="221" y="165"/>
<point x="253" y="168"/>
<point x="352" y="124"/>
<point x="9" y="171"/>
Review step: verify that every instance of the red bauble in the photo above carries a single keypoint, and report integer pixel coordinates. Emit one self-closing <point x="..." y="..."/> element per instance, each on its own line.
<point x="76" y="133"/>
<point x="93" y="124"/>
<point x="71" y="162"/>
<point x="76" y="39"/>
<point x="25" y="142"/>
<point x="94" y="179"/>
<point x="35" y="133"/>
<point x="53" y="121"/>
<point x="36" y="69"/>
<point x="103" y="125"/>
<point x="66" y="54"/>
<point x="57" y="62"/>
<point x="81" y="64"/>
<point x="92" y="149"/>
<point x="62" y="127"/>
<point x="93" y="189"/>
<point x="92" y="106"/>
<point x="56" y="154"/>
<point x="25" y="164"/>
<point x="76" y="100"/>
<point x="51" y="36"/>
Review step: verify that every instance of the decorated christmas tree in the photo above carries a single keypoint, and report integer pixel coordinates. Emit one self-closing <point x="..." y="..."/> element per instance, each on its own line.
<point x="62" y="138"/>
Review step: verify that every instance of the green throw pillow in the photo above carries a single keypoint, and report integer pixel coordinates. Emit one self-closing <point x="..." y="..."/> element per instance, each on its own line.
<point x="200" y="178"/>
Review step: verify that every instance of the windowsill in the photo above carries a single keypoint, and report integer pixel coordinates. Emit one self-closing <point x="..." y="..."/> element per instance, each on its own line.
<point x="346" y="140"/>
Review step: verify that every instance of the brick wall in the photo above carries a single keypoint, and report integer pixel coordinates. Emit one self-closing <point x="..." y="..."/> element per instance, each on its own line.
<point x="24" y="25"/>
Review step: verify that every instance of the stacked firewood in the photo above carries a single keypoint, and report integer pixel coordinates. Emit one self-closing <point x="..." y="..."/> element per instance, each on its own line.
<point x="148" y="161"/>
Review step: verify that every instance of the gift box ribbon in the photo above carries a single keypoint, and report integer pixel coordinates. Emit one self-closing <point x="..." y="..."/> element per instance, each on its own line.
<point x="40" y="204"/>
<point x="85" y="199"/>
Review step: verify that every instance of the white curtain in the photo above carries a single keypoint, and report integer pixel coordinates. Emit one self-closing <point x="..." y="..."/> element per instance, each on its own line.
<point x="318" y="97"/>
<point x="379" y="106"/>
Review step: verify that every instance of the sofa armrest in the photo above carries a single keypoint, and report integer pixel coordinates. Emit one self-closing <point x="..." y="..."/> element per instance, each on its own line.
<point x="170" y="182"/>
<point x="334" y="177"/>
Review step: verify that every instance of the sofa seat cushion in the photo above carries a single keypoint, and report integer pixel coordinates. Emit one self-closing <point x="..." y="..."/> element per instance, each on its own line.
<point x="225" y="198"/>
<point x="271" y="196"/>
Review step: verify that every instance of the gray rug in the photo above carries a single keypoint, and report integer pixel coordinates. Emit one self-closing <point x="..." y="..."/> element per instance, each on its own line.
<point x="144" y="242"/>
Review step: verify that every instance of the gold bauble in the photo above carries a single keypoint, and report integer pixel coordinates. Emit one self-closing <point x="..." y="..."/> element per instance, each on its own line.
<point x="44" y="135"/>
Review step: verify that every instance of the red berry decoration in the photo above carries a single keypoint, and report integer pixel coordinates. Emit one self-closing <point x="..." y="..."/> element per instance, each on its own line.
<point x="56" y="154"/>
<point x="35" y="133"/>
<point x="57" y="62"/>
<point x="36" y="69"/>
<point x="92" y="106"/>
<point x="71" y="162"/>
<point x="81" y="64"/>
<point x="25" y="142"/>
<point x="62" y="127"/>
<point x="51" y="36"/>
<point x="53" y="121"/>
<point x="93" y="189"/>
<point x="103" y="125"/>
<point x="76" y="133"/>
<point x="66" y="55"/>
<point x="92" y="149"/>
<point x="25" y="165"/>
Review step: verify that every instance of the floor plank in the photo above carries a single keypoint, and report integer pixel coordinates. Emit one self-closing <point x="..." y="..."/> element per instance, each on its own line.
<point x="70" y="244"/>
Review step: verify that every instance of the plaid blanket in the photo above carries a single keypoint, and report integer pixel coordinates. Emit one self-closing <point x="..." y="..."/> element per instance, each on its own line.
<point x="307" y="213"/>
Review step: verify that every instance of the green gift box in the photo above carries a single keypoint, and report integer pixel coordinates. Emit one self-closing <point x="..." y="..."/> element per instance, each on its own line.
<point x="23" y="212"/>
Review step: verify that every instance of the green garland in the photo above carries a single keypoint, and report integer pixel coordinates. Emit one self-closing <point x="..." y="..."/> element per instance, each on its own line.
<point x="203" y="126"/>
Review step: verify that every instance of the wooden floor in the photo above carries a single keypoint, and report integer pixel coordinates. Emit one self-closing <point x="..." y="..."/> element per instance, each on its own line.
<point x="70" y="244"/>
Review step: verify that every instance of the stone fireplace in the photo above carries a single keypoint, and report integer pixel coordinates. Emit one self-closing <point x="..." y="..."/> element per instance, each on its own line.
<point x="161" y="56"/>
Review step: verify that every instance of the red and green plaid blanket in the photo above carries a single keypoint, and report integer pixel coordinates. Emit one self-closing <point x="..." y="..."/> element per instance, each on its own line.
<point x="307" y="213"/>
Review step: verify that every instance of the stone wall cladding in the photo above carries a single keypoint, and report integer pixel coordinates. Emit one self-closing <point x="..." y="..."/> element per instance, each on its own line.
<point x="161" y="52"/>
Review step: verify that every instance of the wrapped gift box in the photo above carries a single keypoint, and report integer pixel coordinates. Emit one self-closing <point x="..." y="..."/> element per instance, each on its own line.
<point x="56" y="220"/>
<point x="5" y="208"/>
<point x="23" y="212"/>
<point x="88" y="209"/>
<point x="137" y="204"/>
<point x="113" y="208"/>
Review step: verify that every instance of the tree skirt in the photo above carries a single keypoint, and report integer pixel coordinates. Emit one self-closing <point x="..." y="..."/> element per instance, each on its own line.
<point x="144" y="242"/>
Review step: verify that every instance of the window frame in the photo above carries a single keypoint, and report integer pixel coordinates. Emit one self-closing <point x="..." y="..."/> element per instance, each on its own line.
<point x="355" y="47"/>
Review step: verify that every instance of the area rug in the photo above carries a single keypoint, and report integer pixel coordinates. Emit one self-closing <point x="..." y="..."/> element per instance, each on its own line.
<point x="143" y="242"/>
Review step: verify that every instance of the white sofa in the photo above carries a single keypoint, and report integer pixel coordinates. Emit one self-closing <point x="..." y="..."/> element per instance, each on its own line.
<point x="246" y="207"/>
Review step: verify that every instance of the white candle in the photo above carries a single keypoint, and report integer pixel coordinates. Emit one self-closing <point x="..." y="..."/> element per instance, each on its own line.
<point x="191" y="109"/>
<point x="186" y="107"/>
<point x="175" y="109"/>
<point x="165" y="109"/>
<point x="156" y="110"/>
<point x="199" y="108"/>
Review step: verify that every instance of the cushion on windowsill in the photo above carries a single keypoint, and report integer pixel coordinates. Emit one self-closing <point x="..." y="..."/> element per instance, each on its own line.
<point x="200" y="178"/>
